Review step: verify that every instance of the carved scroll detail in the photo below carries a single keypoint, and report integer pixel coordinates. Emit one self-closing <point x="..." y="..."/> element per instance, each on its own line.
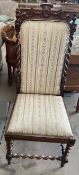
<point x="18" y="51"/>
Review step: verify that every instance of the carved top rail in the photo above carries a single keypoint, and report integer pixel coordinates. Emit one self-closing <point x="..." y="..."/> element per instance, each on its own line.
<point x="40" y="12"/>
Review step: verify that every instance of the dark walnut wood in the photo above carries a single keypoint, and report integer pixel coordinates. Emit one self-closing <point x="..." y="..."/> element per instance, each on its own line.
<point x="43" y="12"/>
<point x="9" y="149"/>
<point x="77" y="107"/>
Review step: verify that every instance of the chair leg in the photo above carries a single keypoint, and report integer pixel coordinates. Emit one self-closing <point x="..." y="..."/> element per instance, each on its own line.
<point x="77" y="107"/>
<point x="9" y="148"/>
<point x="9" y="74"/>
<point x="65" y="152"/>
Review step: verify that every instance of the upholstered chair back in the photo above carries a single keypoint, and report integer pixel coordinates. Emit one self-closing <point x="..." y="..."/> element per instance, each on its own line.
<point x="43" y="49"/>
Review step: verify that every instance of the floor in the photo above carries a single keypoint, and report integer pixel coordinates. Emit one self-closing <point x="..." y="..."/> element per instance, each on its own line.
<point x="41" y="167"/>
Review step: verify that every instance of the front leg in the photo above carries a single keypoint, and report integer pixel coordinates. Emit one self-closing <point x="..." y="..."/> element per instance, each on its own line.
<point x="66" y="151"/>
<point x="9" y="148"/>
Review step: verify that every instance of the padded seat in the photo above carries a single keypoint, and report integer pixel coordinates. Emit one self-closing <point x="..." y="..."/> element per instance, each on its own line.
<point x="43" y="115"/>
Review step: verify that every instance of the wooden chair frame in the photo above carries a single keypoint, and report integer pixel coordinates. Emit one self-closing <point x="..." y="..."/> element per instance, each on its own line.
<point x="43" y="12"/>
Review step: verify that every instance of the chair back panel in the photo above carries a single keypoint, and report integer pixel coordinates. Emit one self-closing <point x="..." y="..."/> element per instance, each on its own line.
<point x="43" y="49"/>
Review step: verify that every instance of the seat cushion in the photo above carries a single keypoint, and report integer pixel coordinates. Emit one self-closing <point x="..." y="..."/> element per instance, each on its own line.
<point x="40" y="115"/>
<point x="42" y="56"/>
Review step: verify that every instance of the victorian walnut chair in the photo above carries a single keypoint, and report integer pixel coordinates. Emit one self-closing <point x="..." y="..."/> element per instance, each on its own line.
<point x="43" y="49"/>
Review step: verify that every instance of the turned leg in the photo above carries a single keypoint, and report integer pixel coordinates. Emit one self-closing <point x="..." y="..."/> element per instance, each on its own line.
<point x="9" y="74"/>
<point x="1" y="64"/>
<point x="77" y="107"/>
<point x="13" y="70"/>
<point x="65" y="152"/>
<point x="9" y="154"/>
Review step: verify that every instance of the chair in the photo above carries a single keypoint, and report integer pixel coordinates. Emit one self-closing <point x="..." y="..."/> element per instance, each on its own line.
<point x="43" y="49"/>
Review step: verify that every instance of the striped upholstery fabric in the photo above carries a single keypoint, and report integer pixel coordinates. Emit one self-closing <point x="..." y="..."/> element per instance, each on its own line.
<point x="39" y="115"/>
<point x="43" y="47"/>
